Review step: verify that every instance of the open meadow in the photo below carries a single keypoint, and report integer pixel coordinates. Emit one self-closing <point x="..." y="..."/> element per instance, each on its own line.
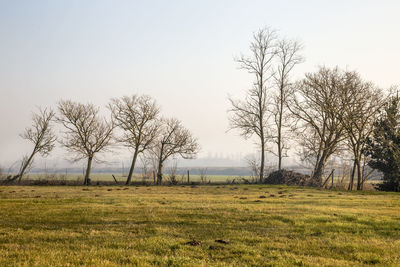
<point x="136" y="178"/>
<point x="197" y="225"/>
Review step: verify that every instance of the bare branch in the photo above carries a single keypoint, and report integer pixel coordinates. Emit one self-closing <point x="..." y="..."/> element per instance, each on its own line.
<point x="86" y="132"/>
<point x="316" y="105"/>
<point x="41" y="135"/>
<point x="137" y="117"/>
<point x="173" y="140"/>
<point x="288" y="54"/>
<point x="250" y="116"/>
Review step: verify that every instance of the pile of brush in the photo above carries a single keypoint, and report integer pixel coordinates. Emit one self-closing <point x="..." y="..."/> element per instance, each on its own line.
<point x="288" y="178"/>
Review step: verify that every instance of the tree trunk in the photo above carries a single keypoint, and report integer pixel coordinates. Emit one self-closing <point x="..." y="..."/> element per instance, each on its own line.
<point x="363" y="178"/>
<point x="261" y="117"/>
<point x="280" y="114"/>
<point x="279" y="148"/>
<point x="318" y="170"/>
<point x="160" y="164"/>
<point x="159" y="172"/>
<point x="87" y="175"/>
<point x="128" y="180"/>
<point x="350" y="188"/>
<point x="317" y="175"/>
<point x="359" y="175"/>
<point x="262" y="161"/>
<point x="23" y="169"/>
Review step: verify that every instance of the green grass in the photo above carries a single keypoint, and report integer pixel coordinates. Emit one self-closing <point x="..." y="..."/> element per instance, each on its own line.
<point x="263" y="226"/>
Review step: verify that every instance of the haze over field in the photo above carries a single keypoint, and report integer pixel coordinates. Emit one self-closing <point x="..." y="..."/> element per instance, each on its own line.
<point x="199" y="133"/>
<point x="179" y="52"/>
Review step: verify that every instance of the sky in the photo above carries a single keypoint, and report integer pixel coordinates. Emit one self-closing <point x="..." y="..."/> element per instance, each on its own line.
<point x="179" y="52"/>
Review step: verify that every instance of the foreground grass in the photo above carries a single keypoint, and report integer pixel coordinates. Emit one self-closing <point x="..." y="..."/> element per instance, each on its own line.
<point x="256" y="225"/>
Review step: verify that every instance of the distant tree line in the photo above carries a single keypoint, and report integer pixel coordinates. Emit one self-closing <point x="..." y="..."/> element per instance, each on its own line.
<point x="135" y="123"/>
<point x="330" y="112"/>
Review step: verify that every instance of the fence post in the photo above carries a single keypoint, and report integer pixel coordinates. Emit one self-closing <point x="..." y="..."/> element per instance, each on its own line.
<point x="188" y="179"/>
<point x="115" y="179"/>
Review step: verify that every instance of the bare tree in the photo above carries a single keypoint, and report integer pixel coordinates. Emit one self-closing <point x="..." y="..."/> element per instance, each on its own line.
<point x="254" y="165"/>
<point x="361" y="104"/>
<point x="203" y="175"/>
<point x="316" y="105"/>
<point x="173" y="171"/>
<point x="288" y="57"/>
<point x="41" y="135"/>
<point x="146" y="167"/>
<point x="86" y="132"/>
<point x="173" y="140"/>
<point x="137" y="117"/>
<point x="250" y="115"/>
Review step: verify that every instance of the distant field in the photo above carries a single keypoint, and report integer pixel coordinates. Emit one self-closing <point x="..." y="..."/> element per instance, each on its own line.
<point x="193" y="226"/>
<point x="108" y="177"/>
<point x="181" y="179"/>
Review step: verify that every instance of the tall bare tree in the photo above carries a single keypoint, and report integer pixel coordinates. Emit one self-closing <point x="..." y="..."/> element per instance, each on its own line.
<point x="361" y="104"/>
<point x="86" y="132"/>
<point x="41" y="135"/>
<point x="173" y="140"/>
<point x="250" y="115"/>
<point x="288" y="55"/>
<point x="137" y="117"/>
<point x="316" y="104"/>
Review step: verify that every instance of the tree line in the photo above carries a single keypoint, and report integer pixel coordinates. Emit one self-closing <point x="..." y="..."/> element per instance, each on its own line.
<point x="86" y="133"/>
<point x="328" y="113"/>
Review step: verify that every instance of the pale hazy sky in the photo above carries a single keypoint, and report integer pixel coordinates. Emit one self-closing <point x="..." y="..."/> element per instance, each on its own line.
<point x="179" y="52"/>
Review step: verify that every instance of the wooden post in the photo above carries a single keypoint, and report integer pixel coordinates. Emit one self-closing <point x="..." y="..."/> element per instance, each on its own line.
<point x="333" y="175"/>
<point x="154" y="177"/>
<point x="327" y="179"/>
<point x="188" y="177"/>
<point x="115" y="179"/>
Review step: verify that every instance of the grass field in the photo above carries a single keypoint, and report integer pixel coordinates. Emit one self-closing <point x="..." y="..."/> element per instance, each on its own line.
<point x="199" y="225"/>
<point x="107" y="177"/>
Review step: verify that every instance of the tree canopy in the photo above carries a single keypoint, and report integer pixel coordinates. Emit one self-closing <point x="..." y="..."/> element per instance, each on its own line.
<point x="383" y="147"/>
